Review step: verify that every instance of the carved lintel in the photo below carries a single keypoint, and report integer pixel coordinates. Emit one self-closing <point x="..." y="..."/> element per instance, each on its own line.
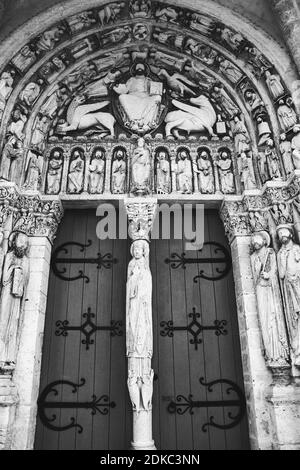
<point x="141" y="214"/>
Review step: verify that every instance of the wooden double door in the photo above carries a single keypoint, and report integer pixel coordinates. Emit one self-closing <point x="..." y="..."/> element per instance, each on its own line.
<point x="198" y="400"/>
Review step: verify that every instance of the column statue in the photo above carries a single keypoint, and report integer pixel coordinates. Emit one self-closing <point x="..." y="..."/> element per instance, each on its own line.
<point x="289" y="273"/>
<point x="13" y="288"/>
<point x="270" y="309"/>
<point x="139" y="330"/>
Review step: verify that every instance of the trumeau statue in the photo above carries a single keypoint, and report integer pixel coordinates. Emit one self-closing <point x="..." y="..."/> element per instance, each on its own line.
<point x="54" y="174"/>
<point x="97" y="173"/>
<point x="13" y="290"/>
<point x="184" y="172"/>
<point x="119" y="167"/>
<point x="139" y="334"/>
<point x="270" y="309"/>
<point x="163" y="177"/>
<point x="141" y="169"/>
<point x="139" y="337"/>
<point x="76" y="172"/>
<point x="289" y="273"/>
<point x="140" y="99"/>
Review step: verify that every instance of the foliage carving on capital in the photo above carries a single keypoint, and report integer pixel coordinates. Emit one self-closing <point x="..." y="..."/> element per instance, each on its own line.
<point x="140" y="217"/>
<point x="37" y="217"/>
<point x="236" y="221"/>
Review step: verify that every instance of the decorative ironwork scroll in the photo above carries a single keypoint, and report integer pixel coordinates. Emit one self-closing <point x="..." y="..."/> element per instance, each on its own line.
<point x="88" y="328"/>
<point x="236" y="400"/>
<point x="102" y="261"/>
<point x="96" y="405"/>
<point x="176" y="261"/>
<point x="194" y="328"/>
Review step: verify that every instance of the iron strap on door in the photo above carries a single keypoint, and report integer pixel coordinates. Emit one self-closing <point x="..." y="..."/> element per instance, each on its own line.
<point x="194" y="328"/>
<point x="181" y="261"/>
<point x="88" y="328"/>
<point x="236" y="400"/>
<point x="101" y="261"/>
<point x="96" y="405"/>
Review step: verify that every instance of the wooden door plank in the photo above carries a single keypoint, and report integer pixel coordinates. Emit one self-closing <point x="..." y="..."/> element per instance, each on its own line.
<point x="87" y="367"/>
<point x="118" y="438"/>
<point x="52" y="363"/>
<point x="181" y="349"/>
<point x="67" y="439"/>
<point x="102" y="347"/>
<point x="230" y="352"/>
<point x="163" y="348"/>
<point x="196" y="357"/>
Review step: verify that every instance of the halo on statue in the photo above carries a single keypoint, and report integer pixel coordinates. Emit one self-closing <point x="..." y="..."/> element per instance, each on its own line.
<point x="13" y="236"/>
<point x="288" y="227"/>
<point x="142" y="62"/>
<point x="265" y="235"/>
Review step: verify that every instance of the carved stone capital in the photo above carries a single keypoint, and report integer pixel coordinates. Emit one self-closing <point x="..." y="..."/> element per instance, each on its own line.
<point x="37" y="216"/>
<point x="235" y="217"/>
<point x="141" y="214"/>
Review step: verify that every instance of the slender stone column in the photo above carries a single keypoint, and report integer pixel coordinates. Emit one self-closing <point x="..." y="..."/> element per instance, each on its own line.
<point x="139" y="334"/>
<point x="257" y="378"/>
<point x="288" y="13"/>
<point x="36" y="219"/>
<point x="26" y="376"/>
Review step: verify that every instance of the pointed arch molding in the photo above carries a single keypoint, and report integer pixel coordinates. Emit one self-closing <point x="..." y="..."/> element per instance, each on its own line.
<point x="203" y="44"/>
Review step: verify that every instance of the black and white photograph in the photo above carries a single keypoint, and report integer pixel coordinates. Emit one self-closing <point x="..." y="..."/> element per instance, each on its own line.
<point x="149" y="228"/>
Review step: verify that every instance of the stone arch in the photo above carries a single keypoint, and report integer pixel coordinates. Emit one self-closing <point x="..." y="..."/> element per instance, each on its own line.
<point x="35" y="214"/>
<point x="208" y="52"/>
